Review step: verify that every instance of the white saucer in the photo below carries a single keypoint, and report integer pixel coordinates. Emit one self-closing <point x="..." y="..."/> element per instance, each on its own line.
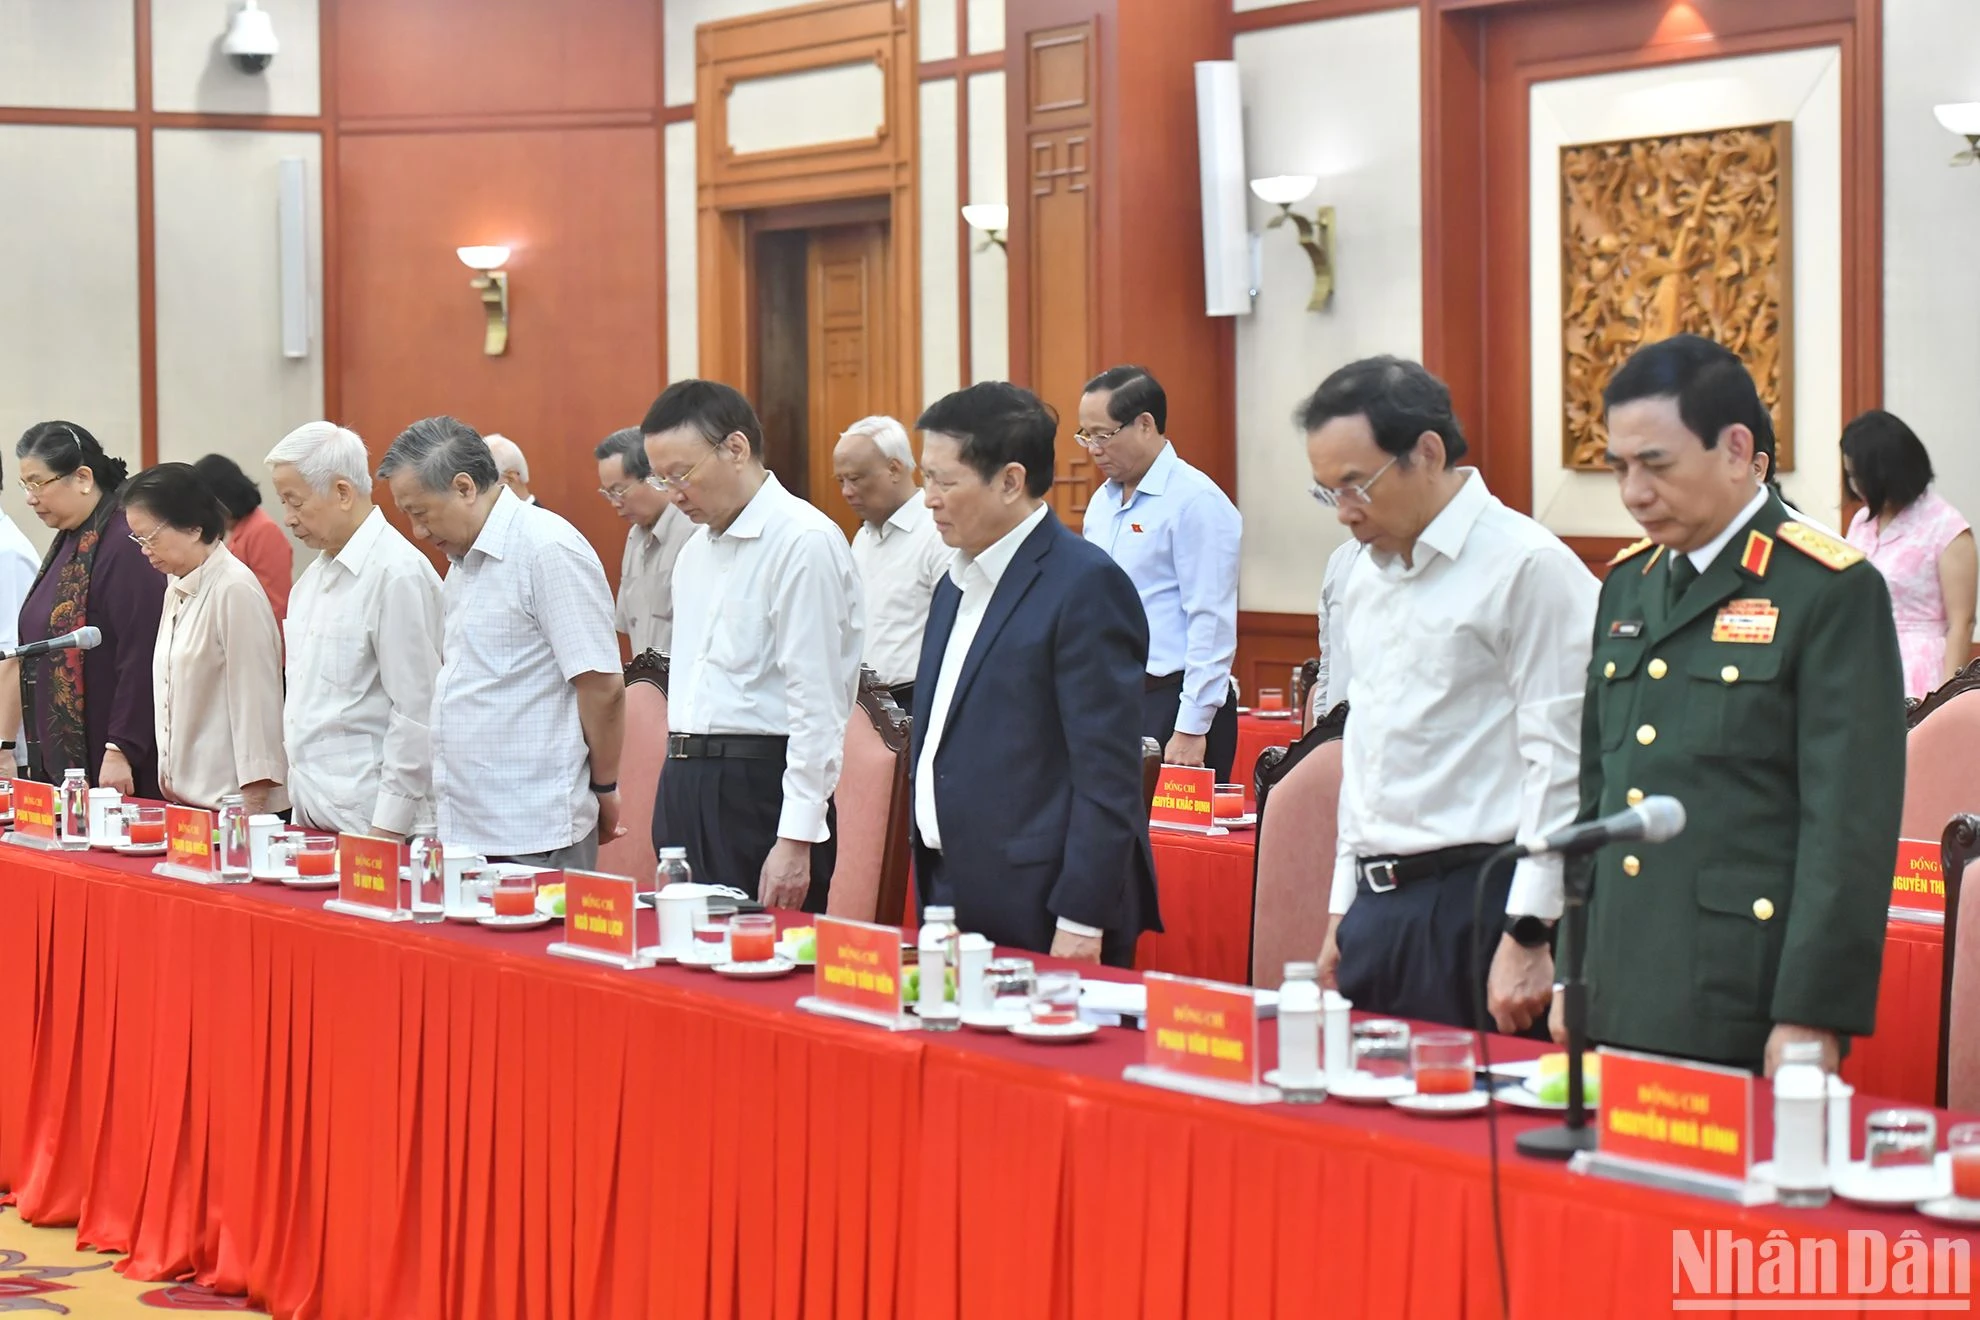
<point x="756" y="971"/>
<point x="1443" y="1106"/>
<point x="474" y="913"/>
<point x="1950" y="1210"/>
<point x="110" y="847"/>
<point x="310" y="881"/>
<point x="1318" y="1083"/>
<point x="1858" y="1182"/>
<point x="989" y="1019"/>
<point x="274" y="877"/>
<point x="141" y="849"/>
<point x="528" y="922"/>
<point x="1235" y="822"/>
<point x="702" y="962"/>
<point x="1361" y="1089"/>
<point x="1069" y="1031"/>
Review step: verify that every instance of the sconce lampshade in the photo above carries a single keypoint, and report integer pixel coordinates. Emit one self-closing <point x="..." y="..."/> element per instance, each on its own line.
<point x="483" y="258"/>
<point x="1284" y="189"/>
<point x="1963" y="119"/>
<point x="989" y="217"/>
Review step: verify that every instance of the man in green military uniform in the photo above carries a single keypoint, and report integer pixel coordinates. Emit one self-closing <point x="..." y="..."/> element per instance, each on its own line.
<point x="1746" y="664"/>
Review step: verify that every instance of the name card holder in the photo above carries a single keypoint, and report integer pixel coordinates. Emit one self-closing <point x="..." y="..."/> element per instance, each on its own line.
<point x="1675" y="1125"/>
<point x="858" y="976"/>
<point x="601" y="921"/>
<point x="34" y="816"/>
<point x="1918" y="890"/>
<point x="1184" y="800"/>
<point x="1202" y="1038"/>
<point x="368" y="881"/>
<point x="189" y="851"/>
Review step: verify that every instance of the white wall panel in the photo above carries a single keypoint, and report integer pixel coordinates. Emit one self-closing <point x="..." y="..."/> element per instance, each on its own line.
<point x="188" y="72"/>
<point x="986" y="26"/>
<point x="935" y="24"/>
<point x="941" y="291"/>
<point x="842" y="103"/>
<point x="683" y="275"/>
<point x="68" y="54"/>
<point x="680" y="18"/>
<point x="989" y="271"/>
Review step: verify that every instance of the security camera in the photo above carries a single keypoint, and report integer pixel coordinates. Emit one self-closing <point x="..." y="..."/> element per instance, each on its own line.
<point x="250" y="41"/>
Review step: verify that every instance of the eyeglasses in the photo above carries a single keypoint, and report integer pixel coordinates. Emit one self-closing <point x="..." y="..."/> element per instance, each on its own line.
<point x="668" y="485"/>
<point x="1089" y="440"/>
<point x="34" y="485"/>
<point x="144" y="542"/>
<point x="1332" y="498"/>
<point x="618" y="492"/>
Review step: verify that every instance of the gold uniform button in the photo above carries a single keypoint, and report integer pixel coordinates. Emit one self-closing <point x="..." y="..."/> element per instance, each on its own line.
<point x="1647" y="734"/>
<point x="1763" y="909"/>
<point x="1658" y="669"/>
<point x="1631" y="866"/>
<point x="1730" y="674"/>
<point x="1609" y="670"/>
<point x="1634" y="797"/>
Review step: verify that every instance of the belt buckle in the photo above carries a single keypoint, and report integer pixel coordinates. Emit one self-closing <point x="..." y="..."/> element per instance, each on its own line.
<point x="677" y="747"/>
<point x="1386" y="869"/>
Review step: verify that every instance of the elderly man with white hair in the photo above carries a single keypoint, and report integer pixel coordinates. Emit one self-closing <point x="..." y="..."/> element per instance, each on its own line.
<point x="363" y="646"/>
<point x="899" y="554"/>
<point x="512" y="464"/>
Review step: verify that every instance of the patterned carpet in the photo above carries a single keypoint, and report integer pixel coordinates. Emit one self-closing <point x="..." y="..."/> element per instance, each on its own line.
<point x="42" y="1273"/>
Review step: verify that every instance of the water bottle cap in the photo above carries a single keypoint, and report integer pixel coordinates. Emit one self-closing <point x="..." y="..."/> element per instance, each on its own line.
<point x="936" y="913"/>
<point x="1802" y="1051"/>
<point x="75" y="770"/>
<point x="673" y="854"/>
<point x="1302" y="971"/>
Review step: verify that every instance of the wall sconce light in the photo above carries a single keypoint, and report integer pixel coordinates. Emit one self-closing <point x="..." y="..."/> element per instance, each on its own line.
<point x="990" y="219"/>
<point x="492" y="283"/>
<point x="1315" y="235"/>
<point x="1963" y="119"/>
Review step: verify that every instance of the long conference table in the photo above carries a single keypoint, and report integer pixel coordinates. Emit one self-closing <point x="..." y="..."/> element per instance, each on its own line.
<point x="342" y="1118"/>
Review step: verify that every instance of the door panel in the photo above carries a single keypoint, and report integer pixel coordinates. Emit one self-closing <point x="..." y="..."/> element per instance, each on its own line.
<point x="850" y="346"/>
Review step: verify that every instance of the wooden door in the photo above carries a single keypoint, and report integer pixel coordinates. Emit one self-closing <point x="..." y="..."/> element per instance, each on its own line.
<point x="851" y="346"/>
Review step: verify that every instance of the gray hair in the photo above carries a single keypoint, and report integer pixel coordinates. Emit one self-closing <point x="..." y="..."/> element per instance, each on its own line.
<point x="438" y="449"/>
<point x="888" y="436"/>
<point x="508" y="455"/>
<point x="324" y="453"/>
<point x="630" y="447"/>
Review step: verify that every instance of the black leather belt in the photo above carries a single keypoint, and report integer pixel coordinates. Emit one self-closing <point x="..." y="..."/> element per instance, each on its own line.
<point x="726" y="746"/>
<point x="1381" y="874"/>
<point x="1156" y="682"/>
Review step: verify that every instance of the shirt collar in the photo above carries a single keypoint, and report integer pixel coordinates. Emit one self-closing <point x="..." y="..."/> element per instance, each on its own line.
<point x="357" y="550"/>
<point x="494" y="538"/>
<point x="1452" y="526"/>
<point x="994" y="561"/>
<point x="906" y="518"/>
<point x="755" y="515"/>
<point x="1703" y="557"/>
<point x="1153" y="482"/>
<point x="194" y="582"/>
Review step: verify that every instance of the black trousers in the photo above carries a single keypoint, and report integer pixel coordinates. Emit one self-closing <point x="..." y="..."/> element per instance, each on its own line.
<point x="724" y="812"/>
<point x="1407" y="952"/>
<point x="1116" y="947"/>
<point x="1158" y="721"/>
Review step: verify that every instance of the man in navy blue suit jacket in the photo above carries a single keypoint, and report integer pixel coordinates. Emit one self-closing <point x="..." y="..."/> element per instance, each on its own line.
<point x="1029" y="816"/>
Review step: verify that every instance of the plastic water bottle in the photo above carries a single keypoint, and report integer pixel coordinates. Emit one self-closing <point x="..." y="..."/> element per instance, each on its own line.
<point x="674" y="869"/>
<point x="426" y="857"/>
<point x="72" y="809"/>
<point x="1339" y="1036"/>
<point x="1299" y="1030"/>
<point x="234" y="857"/>
<point x="939" y="938"/>
<point x="1801" y="1096"/>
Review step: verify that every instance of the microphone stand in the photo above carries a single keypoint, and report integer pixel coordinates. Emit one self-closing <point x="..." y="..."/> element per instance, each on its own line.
<point x="30" y="724"/>
<point x="1574" y="1134"/>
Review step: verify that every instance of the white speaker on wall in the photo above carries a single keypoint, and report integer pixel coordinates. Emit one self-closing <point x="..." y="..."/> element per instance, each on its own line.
<point x="1227" y="262"/>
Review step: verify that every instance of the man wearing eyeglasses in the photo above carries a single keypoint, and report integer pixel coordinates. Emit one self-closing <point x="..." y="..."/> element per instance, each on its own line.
<point x="1469" y="625"/>
<point x="768" y="623"/>
<point x="658" y="530"/>
<point x="1175" y="535"/>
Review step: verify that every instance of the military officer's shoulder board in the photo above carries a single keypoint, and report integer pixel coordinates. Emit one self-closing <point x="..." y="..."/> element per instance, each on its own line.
<point x="1630" y="551"/>
<point x="1818" y="545"/>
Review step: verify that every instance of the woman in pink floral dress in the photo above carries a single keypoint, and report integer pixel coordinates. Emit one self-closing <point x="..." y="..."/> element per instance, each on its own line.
<point x="1920" y="543"/>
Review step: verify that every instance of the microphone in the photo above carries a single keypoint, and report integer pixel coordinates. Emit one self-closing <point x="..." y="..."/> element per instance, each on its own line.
<point x="82" y="639"/>
<point x="1652" y="820"/>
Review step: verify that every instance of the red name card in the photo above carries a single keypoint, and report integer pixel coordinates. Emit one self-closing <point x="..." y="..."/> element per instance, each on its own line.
<point x="189" y="838"/>
<point x="34" y="809"/>
<point x="1183" y="797"/>
<point x="1202" y="1029"/>
<point x="1918" y="886"/>
<point x="1692" y="1116"/>
<point x="599" y="913"/>
<point x="368" y="871"/>
<point x="859" y="966"/>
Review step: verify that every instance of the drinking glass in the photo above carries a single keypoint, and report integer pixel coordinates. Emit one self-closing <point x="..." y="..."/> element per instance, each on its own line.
<point x="1009" y="983"/>
<point x="711" y="937"/>
<point x="753" y="937"/>
<point x="1900" y="1138"/>
<point x="1963" y="1143"/>
<point x="7" y="798"/>
<point x="317" y="855"/>
<point x="515" y="894"/>
<point x="144" y="826"/>
<point x="1227" y="801"/>
<point x="1381" y="1047"/>
<point x="1443" y="1062"/>
<point x="1055" y="1003"/>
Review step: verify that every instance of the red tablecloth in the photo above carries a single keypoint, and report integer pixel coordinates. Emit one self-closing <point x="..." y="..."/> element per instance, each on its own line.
<point x="356" y="1120"/>
<point x="1205" y="887"/>
<point x="1902" y="1059"/>
<point x="1254" y="736"/>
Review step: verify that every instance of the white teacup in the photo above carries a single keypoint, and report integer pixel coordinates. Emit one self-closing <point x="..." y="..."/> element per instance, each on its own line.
<point x="261" y="833"/>
<point x="106" y="817"/>
<point x="459" y="860"/>
<point x="680" y="906"/>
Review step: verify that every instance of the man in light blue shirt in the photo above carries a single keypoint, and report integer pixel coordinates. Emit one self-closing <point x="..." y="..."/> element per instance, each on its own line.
<point x="1176" y="535"/>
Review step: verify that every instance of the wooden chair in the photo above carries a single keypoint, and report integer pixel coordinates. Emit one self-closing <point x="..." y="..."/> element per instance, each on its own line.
<point x="870" y="878"/>
<point x="1942" y="756"/>
<point x="1306" y="693"/>
<point x="1959" y="984"/>
<point x="1151" y="772"/>
<point x="1299" y="794"/>
<point x="640" y="763"/>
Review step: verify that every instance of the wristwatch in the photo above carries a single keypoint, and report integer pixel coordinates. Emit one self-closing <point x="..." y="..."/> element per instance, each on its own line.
<point x="1529" y="932"/>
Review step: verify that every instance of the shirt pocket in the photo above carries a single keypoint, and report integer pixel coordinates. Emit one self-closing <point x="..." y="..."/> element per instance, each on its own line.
<point x="341" y="648"/>
<point x="1613" y="670"/>
<point x="1737" y="703"/>
<point x="739" y="637"/>
<point x="1737" y="949"/>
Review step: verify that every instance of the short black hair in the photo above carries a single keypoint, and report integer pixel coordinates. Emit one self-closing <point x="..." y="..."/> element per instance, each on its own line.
<point x="1712" y="387"/>
<point x="997" y="423"/>
<point x="1889" y="461"/>
<point x="237" y="493"/>
<point x="1400" y="399"/>
<point x="629" y="447"/>
<point x="62" y="447"/>
<point x="1134" y="392"/>
<point x="176" y="495"/>
<point x="710" y="407"/>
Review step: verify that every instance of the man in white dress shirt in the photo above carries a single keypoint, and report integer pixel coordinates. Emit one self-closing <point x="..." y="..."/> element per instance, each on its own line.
<point x="767" y="631"/>
<point x="1470" y="629"/>
<point x="530" y="705"/>
<point x="19" y="562"/>
<point x="1175" y="535"/>
<point x="899" y="554"/>
<point x="363" y="646"/>
<point x="654" y="539"/>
